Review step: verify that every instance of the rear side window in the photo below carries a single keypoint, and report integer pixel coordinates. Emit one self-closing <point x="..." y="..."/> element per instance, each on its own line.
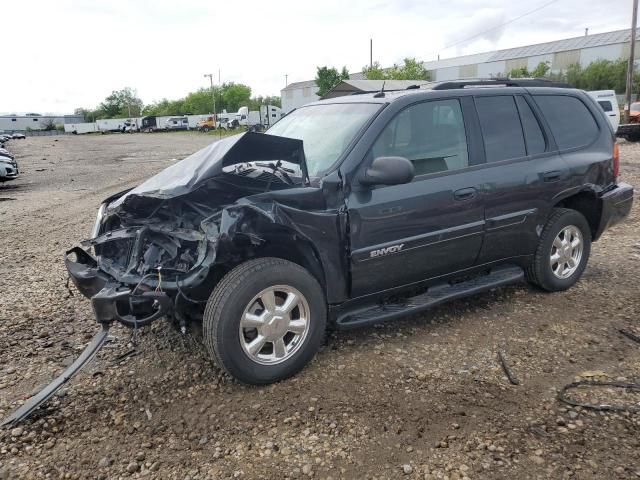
<point x="501" y="129"/>
<point x="570" y="120"/>
<point x="532" y="132"/>
<point x="606" y="105"/>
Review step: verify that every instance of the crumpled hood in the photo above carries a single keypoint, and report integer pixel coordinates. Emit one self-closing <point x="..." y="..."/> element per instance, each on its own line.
<point x="189" y="174"/>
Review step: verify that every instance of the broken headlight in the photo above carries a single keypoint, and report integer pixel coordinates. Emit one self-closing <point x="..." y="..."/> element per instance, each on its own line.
<point x="96" y="227"/>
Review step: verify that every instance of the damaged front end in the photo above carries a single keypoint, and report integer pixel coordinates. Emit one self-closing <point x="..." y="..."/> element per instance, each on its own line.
<point x="158" y="249"/>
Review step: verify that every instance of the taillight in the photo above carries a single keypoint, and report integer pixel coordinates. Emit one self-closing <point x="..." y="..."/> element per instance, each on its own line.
<point x="616" y="160"/>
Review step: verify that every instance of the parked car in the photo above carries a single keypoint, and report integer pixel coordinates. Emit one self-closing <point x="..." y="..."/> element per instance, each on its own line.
<point x="357" y="210"/>
<point x="6" y="153"/>
<point x="8" y="169"/>
<point x="609" y="103"/>
<point x="20" y="136"/>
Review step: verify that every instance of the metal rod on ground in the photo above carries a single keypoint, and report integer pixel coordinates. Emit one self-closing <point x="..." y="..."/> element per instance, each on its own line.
<point x="510" y="376"/>
<point x="630" y="66"/>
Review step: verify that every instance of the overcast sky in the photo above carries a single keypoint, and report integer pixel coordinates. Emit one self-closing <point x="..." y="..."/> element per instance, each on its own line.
<point x="64" y="54"/>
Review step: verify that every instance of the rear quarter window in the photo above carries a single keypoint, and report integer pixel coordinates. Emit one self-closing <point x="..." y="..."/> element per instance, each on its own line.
<point x="571" y="122"/>
<point x="606" y="105"/>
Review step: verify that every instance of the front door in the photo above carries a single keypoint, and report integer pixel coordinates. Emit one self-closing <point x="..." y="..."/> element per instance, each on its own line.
<point x="403" y="234"/>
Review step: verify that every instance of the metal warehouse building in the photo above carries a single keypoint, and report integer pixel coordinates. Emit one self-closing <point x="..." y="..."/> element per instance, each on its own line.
<point x="560" y="54"/>
<point x="13" y="123"/>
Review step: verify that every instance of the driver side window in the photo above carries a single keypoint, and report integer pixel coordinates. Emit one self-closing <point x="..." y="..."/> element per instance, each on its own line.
<point x="430" y="134"/>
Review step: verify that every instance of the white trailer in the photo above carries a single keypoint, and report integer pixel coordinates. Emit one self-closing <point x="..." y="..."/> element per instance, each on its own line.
<point x="79" y="128"/>
<point x="111" y="124"/>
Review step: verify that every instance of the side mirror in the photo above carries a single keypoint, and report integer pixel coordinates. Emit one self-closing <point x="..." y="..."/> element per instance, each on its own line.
<point x="388" y="171"/>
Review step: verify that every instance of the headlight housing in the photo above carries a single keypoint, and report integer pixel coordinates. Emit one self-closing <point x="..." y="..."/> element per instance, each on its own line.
<point x="96" y="227"/>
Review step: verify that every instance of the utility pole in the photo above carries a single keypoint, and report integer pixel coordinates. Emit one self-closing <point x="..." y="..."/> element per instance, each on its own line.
<point x="371" y="53"/>
<point x="286" y="80"/>
<point x="631" y="65"/>
<point x="213" y="93"/>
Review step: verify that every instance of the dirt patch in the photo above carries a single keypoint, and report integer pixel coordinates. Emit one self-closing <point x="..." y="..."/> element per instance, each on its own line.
<point x="425" y="397"/>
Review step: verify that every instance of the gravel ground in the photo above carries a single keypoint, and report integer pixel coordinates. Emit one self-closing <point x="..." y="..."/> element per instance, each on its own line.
<point x="421" y="398"/>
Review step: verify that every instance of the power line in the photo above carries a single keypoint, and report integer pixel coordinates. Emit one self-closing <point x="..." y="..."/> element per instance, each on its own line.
<point x="498" y="26"/>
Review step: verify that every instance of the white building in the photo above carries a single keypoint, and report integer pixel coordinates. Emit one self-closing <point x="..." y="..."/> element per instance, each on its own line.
<point x="21" y="123"/>
<point x="560" y="54"/>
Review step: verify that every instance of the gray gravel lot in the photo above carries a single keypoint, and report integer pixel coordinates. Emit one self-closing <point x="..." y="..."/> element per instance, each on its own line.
<point x="421" y="398"/>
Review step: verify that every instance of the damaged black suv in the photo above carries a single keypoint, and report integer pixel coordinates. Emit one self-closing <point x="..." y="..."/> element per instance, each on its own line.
<point x="356" y="210"/>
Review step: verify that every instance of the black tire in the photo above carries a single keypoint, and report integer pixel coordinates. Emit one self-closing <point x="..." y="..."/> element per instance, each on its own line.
<point x="225" y="308"/>
<point x="206" y="129"/>
<point x="540" y="271"/>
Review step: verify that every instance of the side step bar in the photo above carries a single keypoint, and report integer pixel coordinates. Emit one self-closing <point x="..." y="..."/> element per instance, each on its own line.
<point x="43" y="395"/>
<point x="436" y="295"/>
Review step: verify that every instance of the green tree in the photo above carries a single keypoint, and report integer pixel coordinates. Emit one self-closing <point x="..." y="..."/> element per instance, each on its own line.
<point x="256" y="102"/>
<point x="541" y="70"/>
<point x="374" y="72"/>
<point x="119" y="103"/>
<point x="327" y="78"/>
<point x="519" y="72"/>
<point x="235" y="95"/>
<point x="410" y="69"/>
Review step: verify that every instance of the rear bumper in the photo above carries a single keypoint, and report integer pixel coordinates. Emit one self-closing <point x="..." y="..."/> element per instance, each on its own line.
<point x="111" y="300"/>
<point x="616" y="205"/>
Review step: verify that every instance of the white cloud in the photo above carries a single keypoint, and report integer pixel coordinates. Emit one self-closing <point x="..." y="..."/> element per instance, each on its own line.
<point x="73" y="53"/>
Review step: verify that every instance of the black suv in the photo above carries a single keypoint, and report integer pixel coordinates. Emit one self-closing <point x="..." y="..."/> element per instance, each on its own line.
<point x="356" y="210"/>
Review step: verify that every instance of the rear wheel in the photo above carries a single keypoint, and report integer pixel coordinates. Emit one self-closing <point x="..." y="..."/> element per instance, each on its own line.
<point x="563" y="251"/>
<point x="265" y="320"/>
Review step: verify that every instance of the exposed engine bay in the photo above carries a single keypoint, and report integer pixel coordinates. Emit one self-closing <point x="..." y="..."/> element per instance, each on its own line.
<point x="159" y="248"/>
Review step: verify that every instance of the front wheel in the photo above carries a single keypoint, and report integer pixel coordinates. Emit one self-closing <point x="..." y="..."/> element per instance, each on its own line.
<point x="265" y="320"/>
<point x="563" y="251"/>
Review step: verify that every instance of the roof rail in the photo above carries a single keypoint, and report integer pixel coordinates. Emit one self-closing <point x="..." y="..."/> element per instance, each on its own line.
<point x="500" y="82"/>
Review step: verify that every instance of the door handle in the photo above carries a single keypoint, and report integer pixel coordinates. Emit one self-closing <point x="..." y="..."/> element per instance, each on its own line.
<point x="465" y="193"/>
<point x="552" y="176"/>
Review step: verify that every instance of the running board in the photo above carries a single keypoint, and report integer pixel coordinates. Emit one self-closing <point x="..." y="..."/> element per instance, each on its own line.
<point x="43" y="395"/>
<point x="436" y="295"/>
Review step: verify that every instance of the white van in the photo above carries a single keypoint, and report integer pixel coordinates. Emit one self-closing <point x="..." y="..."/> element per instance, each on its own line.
<point x="607" y="100"/>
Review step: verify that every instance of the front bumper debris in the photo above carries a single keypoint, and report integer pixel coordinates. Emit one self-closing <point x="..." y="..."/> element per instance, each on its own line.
<point x="110" y="300"/>
<point x="34" y="402"/>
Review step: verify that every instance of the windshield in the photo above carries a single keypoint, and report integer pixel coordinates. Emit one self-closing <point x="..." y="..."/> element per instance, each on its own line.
<point x="325" y="130"/>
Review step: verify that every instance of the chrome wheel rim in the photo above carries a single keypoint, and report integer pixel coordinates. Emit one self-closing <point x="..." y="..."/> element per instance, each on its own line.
<point x="566" y="252"/>
<point x="274" y="325"/>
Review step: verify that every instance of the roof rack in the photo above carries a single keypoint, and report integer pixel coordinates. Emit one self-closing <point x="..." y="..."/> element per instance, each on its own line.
<point x="500" y="82"/>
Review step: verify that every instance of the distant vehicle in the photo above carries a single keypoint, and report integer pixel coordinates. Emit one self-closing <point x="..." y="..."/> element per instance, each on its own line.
<point x="8" y="169"/>
<point x="634" y="113"/>
<point x="130" y="126"/>
<point x="255" y="119"/>
<point x="149" y="124"/>
<point x="19" y="136"/>
<point x="609" y="103"/>
<point x="206" y="124"/>
<point x="177" y="123"/>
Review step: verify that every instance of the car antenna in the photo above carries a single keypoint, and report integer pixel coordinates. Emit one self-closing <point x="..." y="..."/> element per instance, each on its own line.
<point x="380" y="94"/>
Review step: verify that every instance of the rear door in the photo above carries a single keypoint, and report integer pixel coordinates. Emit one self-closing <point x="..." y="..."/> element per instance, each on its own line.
<point x="402" y="234"/>
<point x="523" y="175"/>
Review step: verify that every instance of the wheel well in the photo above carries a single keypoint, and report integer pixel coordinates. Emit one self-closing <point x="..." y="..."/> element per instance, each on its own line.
<point x="289" y="246"/>
<point x="588" y="205"/>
